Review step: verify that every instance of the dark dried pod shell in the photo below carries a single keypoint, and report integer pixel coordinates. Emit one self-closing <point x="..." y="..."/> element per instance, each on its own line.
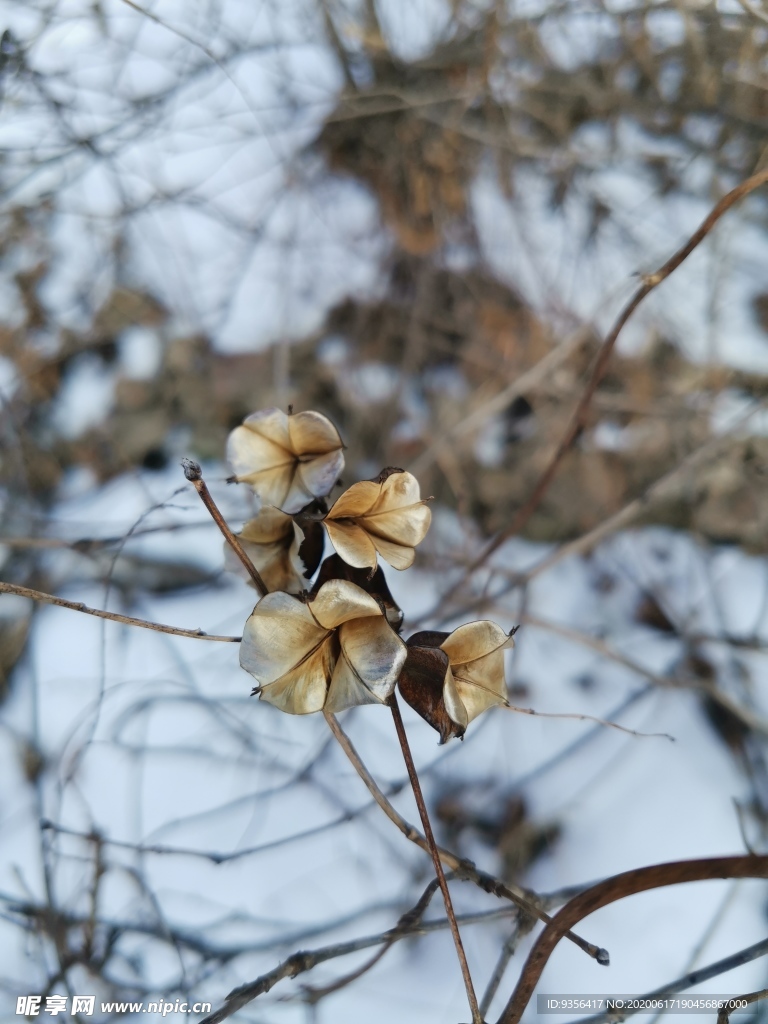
<point x="311" y="549"/>
<point x="451" y="678"/>
<point x="421" y="683"/>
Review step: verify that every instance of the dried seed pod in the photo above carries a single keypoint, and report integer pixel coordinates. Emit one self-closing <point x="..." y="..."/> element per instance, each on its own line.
<point x="451" y="678"/>
<point x="329" y="653"/>
<point x="287" y="459"/>
<point x="335" y="568"/>
<point x="385" y="516"/>
<point x="285" y="553"/>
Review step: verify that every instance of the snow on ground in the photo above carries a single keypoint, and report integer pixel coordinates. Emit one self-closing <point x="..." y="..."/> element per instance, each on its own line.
<point x="157" y="742"/>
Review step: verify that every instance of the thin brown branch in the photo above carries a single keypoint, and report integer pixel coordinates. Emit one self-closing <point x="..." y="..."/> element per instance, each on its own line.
<point x="615" y="888"/>
<point x="127" y="620"/>
<point x="194" y="474"/>
<point x="214" y="856"/>
<point x="432" y="845"/>
<point x="526" y="900"/>
<point x="579" y="417"/>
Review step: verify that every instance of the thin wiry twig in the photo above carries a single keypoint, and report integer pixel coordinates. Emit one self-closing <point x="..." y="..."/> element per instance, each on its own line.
<point x="215" y="857"/>
<point x="408" y="921"/>
<point x="745" y="715"/>
<point x="578" y="717"/>
<point x="725" y="1011"/>
<point x="127" y="620"/>
<point x="520" y="929"/>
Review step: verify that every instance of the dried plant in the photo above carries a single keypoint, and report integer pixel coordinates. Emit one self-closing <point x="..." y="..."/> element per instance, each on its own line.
<point x="440" y="223"/>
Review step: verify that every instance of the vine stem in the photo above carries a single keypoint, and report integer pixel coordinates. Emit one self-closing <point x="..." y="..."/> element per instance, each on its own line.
<point x="194" y="474"/>
<point x="419" y="796"/>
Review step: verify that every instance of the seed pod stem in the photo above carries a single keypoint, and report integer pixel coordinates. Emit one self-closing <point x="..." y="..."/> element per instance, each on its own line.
<point x="419" y="796"/>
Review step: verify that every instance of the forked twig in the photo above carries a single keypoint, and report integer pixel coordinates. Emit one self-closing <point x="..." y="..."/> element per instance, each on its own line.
<point x="408" y="921"/>
<point x="306" y="960"/>
<point x="725" y="1011"/>
<point x="579" y="717"/>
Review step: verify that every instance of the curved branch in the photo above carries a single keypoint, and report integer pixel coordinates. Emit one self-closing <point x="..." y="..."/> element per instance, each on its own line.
<point x="615" y="888"/>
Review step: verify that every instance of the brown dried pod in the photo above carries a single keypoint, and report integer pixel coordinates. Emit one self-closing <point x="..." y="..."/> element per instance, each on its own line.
<point x="335" y="568"/>
<point x="286" y="550"/>
<point x="329" y="653"/>
<point x="451" y="678"/>
<point x="385" y="516"/>
<point x="287" y="459"/>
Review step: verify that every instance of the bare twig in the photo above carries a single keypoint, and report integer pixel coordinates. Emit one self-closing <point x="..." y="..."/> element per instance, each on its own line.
<point x="434" y="853"/>
<point x="408" y="921"/>
<point x="662" y="488"/>
<point x="194" y="474"/>
<point x="578" y="717"/>
<point x="750" y="718"/>
<point x="214" y="856"/>
<point x="303" y="961"/>
<point x="128" y="620"/>
<point x="579" y="417"/>
<point x="520" y="929"/>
